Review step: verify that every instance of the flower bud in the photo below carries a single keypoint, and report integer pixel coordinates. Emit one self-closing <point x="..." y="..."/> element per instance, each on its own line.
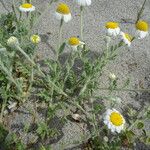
<point x="12" y="41"/>
<point x="112" y="76"/>
<point x="35" y="39"/>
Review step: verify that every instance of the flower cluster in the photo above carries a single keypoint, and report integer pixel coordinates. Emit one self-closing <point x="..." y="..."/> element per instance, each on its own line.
<point x="113" y="29"/>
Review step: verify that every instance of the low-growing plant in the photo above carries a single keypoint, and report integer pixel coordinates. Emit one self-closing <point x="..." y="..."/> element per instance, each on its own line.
<point x="70" y="86"/>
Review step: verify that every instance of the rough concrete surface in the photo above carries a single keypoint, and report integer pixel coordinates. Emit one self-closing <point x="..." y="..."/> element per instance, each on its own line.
<point x="133" y="62"/>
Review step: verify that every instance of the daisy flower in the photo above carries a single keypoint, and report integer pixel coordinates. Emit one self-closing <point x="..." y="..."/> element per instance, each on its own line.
<point x="112" y="28"/>
<point x="63" y="12"/>
<point x="127" y="39"/>
<point x="26" y="7"/>
<point x="142" y="29"/>
<point x="75" y="42"/>
<point x="114" y="120"/>
<point x="84" y="2"/>
<point x="35" y="39"/>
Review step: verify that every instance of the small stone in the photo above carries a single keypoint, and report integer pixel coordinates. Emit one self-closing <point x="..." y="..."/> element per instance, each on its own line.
<point x="76" y="117"/>
<point x="12" y="105"/>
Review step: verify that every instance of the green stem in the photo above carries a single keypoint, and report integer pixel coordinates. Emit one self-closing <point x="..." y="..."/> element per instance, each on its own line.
<point x="137" y="120"/>
<point x="14" y="10"/>
<point x="3" y="108"/>
<point x="60" y="33"/>
<point x="25" y="55"/>
<point x="70" y="66"/>
<point x="10" y="77"/>
<point x="141" y="11"/>
<point x="40" y="71"/>
<point x="5" y="98"/>
<point x="76" y="104"/>
<point x="31" y="79"/>
<point x="84" y="87"/>
<point x="81" y="22"/>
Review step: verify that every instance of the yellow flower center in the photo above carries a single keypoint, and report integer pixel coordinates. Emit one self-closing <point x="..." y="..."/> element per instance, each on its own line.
<point x="142" y="25"/>
<point x="111" y="25"/>
<point x="74" y="41"/>
<point x="26" y="5"/>
<point x="128" y="37"/>
<point x="35" y="39"/>
<point x="116" y="119"/>
<point x="63" y="9"/>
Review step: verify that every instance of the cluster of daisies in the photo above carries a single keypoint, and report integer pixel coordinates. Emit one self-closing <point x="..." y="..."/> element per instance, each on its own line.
<point x="114" y="30"/>
<point x="112" y="118"/>
<point x="63" y="13"/>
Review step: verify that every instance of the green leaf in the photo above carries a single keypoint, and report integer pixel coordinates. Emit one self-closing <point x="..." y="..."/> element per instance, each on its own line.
<point x="148" y="114"/>
<point x="62" y="47"/>
<point x="148" y="140"/>
<point x="130" y="134"/>
<point x="144" y="132"/>
<point x="1" y="77"/>
<point x="140" y="125"/>
<point x="97" y="108"/>
<point x="3" y="133"/>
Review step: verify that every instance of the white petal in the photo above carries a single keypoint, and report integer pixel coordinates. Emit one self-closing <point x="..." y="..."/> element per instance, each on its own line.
<point x="141" y="34"/>
<point x="67" y="17"/>
<point x="117" y="30"/>
<point x="109" y="126"/>
<point x="88" y="2"/>
<point x="84" y="2"/>
<point x="124" y="121"/>
<point x="113" y="129"/>
<point x="115" y="110"/>
<point x="74" y="48"/>
<point x="27" y="9"/>
<point x="105" y="122"/>
<point x="118" y="130"/>
<point x="108" y="117"/>
<point x="81" y="43"/>
<point x="58" y="16"/>
<point x="109" y="111"/>
<point x="125" y="40"/>
<point x="113" y="32"/>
